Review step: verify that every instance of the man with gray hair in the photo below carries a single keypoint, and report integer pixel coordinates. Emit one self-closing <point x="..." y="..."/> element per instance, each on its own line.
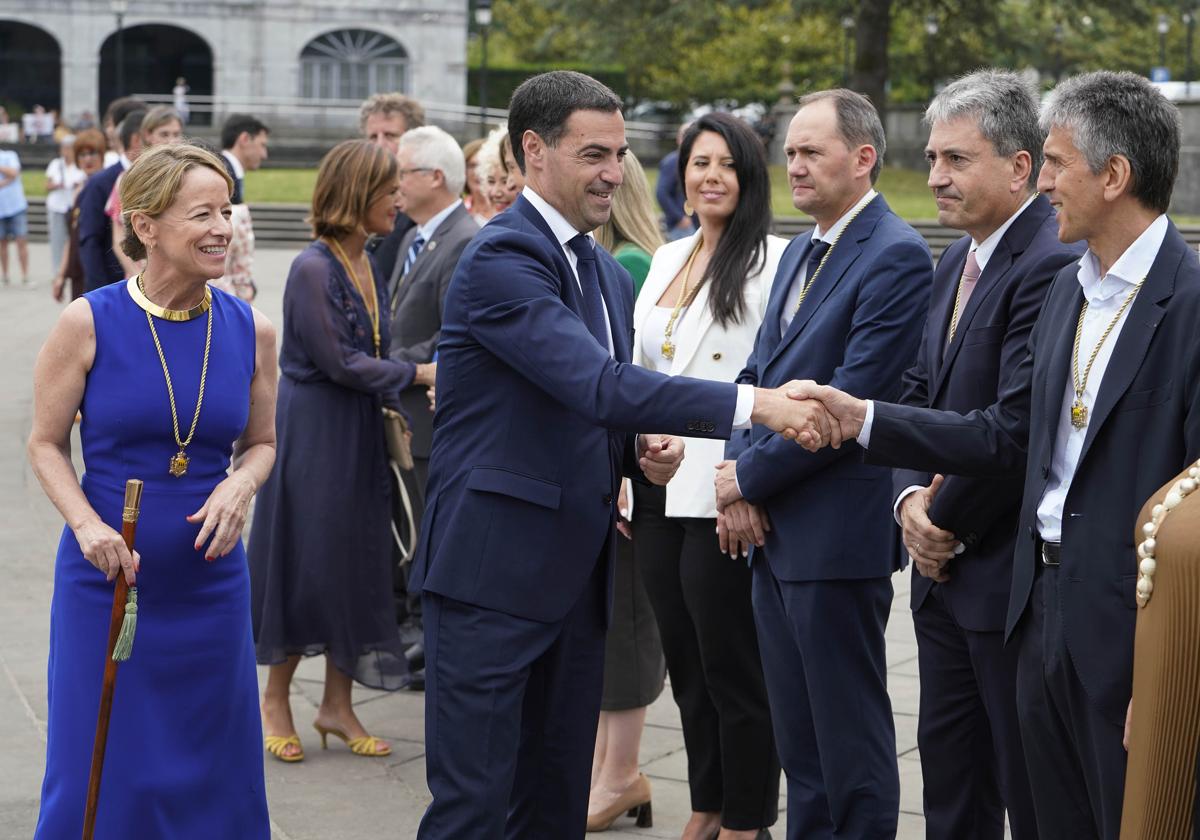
<point x="984" y="153"/>
<point x="1104" y="410"/>
<point x="432" y="173"/>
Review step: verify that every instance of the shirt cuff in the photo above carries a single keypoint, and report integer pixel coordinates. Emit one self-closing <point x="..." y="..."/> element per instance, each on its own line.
<point x="904" y="494"/>
<point x="864" y="436"/>
<point x="744" y="408"/>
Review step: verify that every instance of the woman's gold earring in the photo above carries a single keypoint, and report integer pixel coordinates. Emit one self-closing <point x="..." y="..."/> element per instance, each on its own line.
<point x="687" y="208"/>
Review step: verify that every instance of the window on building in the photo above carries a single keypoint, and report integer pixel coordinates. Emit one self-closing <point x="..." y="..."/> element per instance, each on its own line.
<point x="352" y="64"/>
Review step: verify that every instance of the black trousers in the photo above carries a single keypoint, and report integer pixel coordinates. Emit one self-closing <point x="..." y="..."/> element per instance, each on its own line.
<point x="701" y="601"/>
<point x="1074" y="754"/>
<point x="972" y="762"/>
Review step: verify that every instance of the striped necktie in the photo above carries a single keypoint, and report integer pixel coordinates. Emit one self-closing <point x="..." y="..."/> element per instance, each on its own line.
<point x="413" y="251"/>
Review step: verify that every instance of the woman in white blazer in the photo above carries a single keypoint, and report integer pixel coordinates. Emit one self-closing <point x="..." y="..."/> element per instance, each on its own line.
<point x="697" y="315"/>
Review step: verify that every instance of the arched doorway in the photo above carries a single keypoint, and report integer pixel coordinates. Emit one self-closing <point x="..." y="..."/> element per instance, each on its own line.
<point x="30" y="67"/>
<point x="154" y="56"/>
<point x="352" y="64"/>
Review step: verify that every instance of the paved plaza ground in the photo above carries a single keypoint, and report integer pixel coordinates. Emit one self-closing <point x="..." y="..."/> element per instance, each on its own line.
<point x="331" y="795"/>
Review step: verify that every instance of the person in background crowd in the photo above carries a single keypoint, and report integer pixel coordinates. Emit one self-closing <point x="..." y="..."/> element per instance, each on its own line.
<point x="634" y="669"/>
<point x="698" y="314"/>
<point x="86" y="120"/>
<point x="432" y="175"/>
<point x="63" y="181"/>
<point x="14" y="217"/>
<point x="101" y="265"/>
<point x="244" y="147"/>
<point x="89" y="157"/>
<point x="114" y="115"/>
<point x="320" y="553"/>
<point x="474" y="196"/>
<point x="382" y="119"/>
<point x="514" y="178"/>
<point x="160" y="125"/>
<point x="669" y="191"/>
<point x="500" y="190"/>
<point x="60" y="129"/>
<point x="179" y="99"/>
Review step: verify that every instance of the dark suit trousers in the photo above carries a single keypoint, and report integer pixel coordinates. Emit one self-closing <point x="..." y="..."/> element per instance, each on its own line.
<point x="511" y="707"/>
<point x="972" y="763"/>
<point x="823" y="655"/>
<point x="701" y="600"/>
<point x="1074" y="754"/>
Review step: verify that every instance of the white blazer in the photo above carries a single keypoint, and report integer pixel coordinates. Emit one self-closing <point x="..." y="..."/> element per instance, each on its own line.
<point x="703" y="350"/>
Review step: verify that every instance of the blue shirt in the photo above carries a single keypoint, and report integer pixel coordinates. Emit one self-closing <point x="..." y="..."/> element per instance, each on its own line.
<point x="12" y="195"/>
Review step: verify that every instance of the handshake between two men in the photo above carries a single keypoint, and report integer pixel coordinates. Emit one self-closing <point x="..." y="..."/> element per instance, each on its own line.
<point x="819" y="416"/>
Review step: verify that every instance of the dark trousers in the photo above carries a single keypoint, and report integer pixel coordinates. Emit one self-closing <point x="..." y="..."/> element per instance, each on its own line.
<point x="510" y="718"/>
<point x="972" y="763"/>
<point x="823" y="655"/>
<point x="701" y="600"/>
<point x="1074" y="754"/>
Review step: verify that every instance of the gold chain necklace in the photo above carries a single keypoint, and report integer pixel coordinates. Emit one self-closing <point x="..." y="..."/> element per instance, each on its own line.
<point x="179" y="461"/>
<point x="825" y="259"/>
<point x="683" y="301"/>
<point x="1079" y="412"/>
<point x="372" y="305"/>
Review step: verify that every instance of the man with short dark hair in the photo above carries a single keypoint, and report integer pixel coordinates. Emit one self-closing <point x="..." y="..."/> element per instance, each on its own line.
<point x="383" y="119"/>
<point x="1104" y="410"/>
<point x="846" y="306"/>
<point x="101" y="265"/>
<point x="243" y="147"/>
<point x="537" y="409"/>
<point x="984" y="153"/>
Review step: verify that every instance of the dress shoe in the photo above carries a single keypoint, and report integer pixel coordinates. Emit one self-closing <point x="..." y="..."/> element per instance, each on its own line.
<point x="634" y="801"/>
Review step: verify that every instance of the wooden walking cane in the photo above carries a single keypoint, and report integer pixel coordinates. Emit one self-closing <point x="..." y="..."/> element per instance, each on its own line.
<point x="120" y="645"/>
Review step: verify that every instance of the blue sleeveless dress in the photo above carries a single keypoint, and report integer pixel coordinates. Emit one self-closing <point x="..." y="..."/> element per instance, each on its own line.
<point x="184" y="757"/>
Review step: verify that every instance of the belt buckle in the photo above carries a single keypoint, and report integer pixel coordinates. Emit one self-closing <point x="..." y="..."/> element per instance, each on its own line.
<point x="1052" y="557"/>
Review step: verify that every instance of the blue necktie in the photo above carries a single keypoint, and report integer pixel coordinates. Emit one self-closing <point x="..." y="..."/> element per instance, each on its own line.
<point x="593" y="301"/>
<point x="413" y="251"/>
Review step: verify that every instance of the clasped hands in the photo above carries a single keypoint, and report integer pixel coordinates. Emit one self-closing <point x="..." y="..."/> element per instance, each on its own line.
<point x="814" y="416"/>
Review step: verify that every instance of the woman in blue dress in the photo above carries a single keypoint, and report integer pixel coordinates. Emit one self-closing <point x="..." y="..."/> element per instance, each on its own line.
<point x="172" y="378"/>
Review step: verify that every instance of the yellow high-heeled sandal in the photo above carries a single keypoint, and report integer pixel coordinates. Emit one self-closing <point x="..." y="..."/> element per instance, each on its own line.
<point x="276" y="744"/>
<point x="367" y="745"/>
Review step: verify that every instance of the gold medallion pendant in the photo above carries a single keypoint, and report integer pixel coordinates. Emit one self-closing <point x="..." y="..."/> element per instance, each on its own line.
<point x="179" y="464"/>
<point x="668" y="350"/>
<point x="1079" y="414"/>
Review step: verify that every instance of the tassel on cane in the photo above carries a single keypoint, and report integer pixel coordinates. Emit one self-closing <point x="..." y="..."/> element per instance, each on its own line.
<point x="121" y="628"/>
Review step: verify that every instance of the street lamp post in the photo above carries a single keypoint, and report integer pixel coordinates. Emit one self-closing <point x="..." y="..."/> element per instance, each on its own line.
<point x="483" y="19"/>
<point x="1189" y="19"/>
<point x="931" y="29"/>
<point x="847" y="30"/>
<point x="119" y="7"/>
<point x="1164" y="25"/>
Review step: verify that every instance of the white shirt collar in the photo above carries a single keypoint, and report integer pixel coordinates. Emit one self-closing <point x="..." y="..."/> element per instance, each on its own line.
<point x="125" y="161"/>
<point x="239" y="171"/>
<point x="985" y="249"/>
<point x="1129" y="269"/>
<point x="836" y="230"/>
<point x="563" y="230"/>
<point x="427" y="230"/>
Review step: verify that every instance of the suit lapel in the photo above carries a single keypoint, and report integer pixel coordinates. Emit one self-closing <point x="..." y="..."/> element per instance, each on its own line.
<point x="665" y="267"/>
<point x="789" y="268"/>
<point x="1058" y="367"/>
<point x="690" y="329"/>
<point x="569" y="288"/>
<point x="1145" y="314"/>
<point x="945" y="286"/>
<point x="998" y="266"/>
<point x="614" y="302"/>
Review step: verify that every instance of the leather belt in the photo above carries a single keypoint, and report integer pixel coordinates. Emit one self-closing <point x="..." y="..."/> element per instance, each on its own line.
<point x="1051" y="553"/>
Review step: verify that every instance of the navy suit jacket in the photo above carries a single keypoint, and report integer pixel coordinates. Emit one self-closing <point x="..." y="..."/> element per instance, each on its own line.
<point x="858" y="329"/>
<point x="989" y="345"/>
<point x="534" y="424"/>
<point x="100" y="264"/>
<point x="1143" y="429"/>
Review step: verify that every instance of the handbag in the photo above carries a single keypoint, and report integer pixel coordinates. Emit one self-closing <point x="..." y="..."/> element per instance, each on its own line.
<point x="396" y="434"/>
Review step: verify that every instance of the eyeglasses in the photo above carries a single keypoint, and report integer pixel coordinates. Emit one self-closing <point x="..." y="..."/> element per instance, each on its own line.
<point x="403" y="172"/>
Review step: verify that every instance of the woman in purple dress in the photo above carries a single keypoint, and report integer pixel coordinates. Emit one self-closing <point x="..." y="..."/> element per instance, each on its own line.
<point x="320" y="548"/>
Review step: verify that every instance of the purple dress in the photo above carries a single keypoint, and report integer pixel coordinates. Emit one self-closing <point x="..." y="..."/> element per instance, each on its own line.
<point x="320" y="545"/>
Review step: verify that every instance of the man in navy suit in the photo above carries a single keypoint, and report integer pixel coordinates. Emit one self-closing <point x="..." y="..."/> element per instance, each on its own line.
<point x="1095" y="432"/>
<point x="100" y="264"/>
<point x="536" y="414"/>
<point x="984" y="153"/>
<point x="846" y="306"/>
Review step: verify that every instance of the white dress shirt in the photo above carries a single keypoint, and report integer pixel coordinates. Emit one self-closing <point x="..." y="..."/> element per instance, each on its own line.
<point x="830" y="236"/>
<point x="564" y="232"/>
<point x="1104" y="296"/>
<point x="239" y="171"/>
<point x="427" y="230"/>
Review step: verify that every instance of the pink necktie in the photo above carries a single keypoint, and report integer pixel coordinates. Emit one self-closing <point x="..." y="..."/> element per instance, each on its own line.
<point x="966" y="286"/>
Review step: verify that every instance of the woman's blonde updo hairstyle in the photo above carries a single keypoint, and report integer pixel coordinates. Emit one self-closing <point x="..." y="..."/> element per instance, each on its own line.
<point x="152" y="184"/>
<point x="351" y="178"/>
